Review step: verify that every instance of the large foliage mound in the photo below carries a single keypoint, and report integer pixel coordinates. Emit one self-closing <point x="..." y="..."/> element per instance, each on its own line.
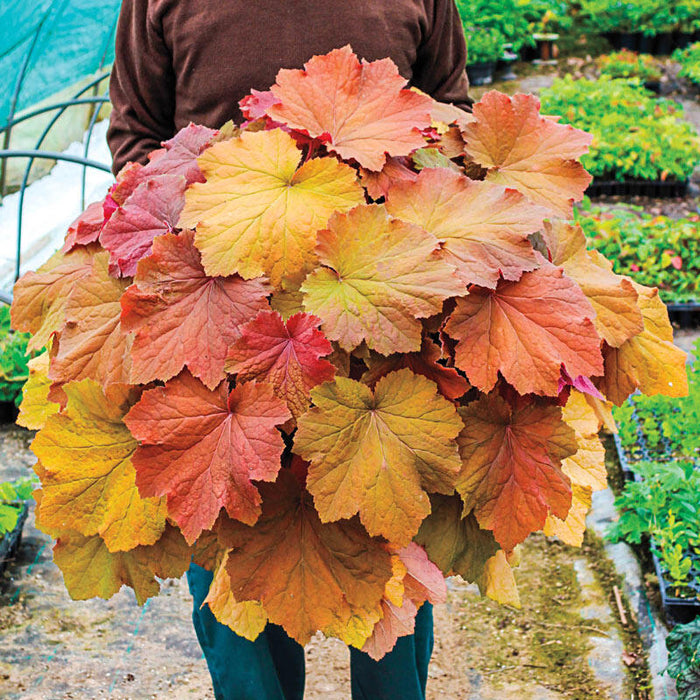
<point x="332" y="355"/>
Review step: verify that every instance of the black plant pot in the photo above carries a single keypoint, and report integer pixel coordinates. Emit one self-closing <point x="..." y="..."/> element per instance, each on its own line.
<point x="8" y="412"/>
<point x="647" y="44"/>
<point x="630" y="40"/>
<point x="481" y="73"/>
<point x="10" y="541"/>
<point x="683" y="39"/>
<point x="664" y="44"/>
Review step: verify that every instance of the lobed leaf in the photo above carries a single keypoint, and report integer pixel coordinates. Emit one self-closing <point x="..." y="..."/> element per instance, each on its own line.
<point x="181" y="316"/>
<point x="613" y="297"/>
<point x="358" y="109"/>
<point x="483" y="228"/>
<point x="92" y="343"/>
<point x="203" y="449"/>
<point x="648" y="361"/>
<point x="378" y="277"/>
<point x="512" y="466"/>
<point x="522" y="149"/>
<point x="152" y="210"/>
<point x="39" y="298"/>
<point x="378" y="453"/>
<point x="90" y="570"/>
<point x="259" y="210"/>
<point x="526" y="331"/>
<point x="88" y="479"/>
<point x="287" y="355"/>
<point x="308" y="575"/>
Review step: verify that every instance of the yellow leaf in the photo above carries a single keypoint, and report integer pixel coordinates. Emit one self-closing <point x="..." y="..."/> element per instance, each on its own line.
<point x="648" y="361"/>
<point x="89" y="482"/>
<point x="379" y="277"/>
<point x="36" y="408"/>
<point x="377" y="454"/>
<point x="570" y="531"/>
<point x="247" y="619"/>
<point x="258" y="212"/>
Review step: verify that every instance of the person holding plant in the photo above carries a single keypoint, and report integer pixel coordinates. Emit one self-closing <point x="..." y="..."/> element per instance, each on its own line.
<point x="180" y="62"/>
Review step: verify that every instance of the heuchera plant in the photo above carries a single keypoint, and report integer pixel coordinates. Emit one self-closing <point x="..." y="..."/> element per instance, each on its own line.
<point x="333" y="355"/>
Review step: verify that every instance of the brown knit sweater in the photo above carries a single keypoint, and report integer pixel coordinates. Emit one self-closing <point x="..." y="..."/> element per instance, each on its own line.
<point x="179" y="61"/>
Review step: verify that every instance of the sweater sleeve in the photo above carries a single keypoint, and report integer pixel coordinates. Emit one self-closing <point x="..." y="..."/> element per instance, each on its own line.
<point x="142" y="87"/>
<point x="442" y="58"/>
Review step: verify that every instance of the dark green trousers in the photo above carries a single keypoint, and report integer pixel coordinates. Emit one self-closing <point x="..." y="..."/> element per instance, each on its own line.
<point x="272" y="667"/>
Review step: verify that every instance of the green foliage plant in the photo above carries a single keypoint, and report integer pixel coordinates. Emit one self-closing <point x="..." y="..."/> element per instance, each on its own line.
<point x="652" y="250"/>
<point x="629" y="64"/>
<point x="483" y="45"/>
<point x="689" y="58"/>
<point x="683" y="644"/>
<point x="13" y="494"/>
<point x="13" y="359"/>
<point x="635" y="136"/>
<point x="647" y="16"/>
<point x="508" y="17"/>
<point x="663" y="506"/>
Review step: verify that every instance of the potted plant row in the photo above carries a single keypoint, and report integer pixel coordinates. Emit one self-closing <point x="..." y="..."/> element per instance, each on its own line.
<point x="652" y="250"/>
<point x="642" y="145"/>
<point x="658" y="442"/>
<point x="648" y="26"/>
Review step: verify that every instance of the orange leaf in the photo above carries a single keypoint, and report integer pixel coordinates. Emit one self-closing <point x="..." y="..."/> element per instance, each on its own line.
<point x="483" y="228"/>
<point x="39" y="298"/>
<point x="512" y="474"/>
<point x="359" y="109"/>
<point x="523" y="150"/>
<point x="203" y="448"/>
<point x="246" y="619"/>
<point x="379" y="276"/>
<point x="450" y="383"/>
<point x="285" y="355"/>
<point x="306" y="574"/>
<point x="612" y="296"/>
<point x="93" y="344"/>
<point x="526" y="330"/>
<point x="259" y="211"/>
<point x="182" y="317"/>
<point x="420" y="580"/>
<point x="378" y="453"/>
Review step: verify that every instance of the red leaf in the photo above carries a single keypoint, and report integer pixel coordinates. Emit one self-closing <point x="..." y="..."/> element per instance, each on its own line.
<point x="153" y="209"/>
<point x="395" y="170"/>
<point x="512" y="476"/>
<point x="526" y="330"/>
<point x="204" y="448"/>
<point x="86" y="228"/>
<point x="285" y="355"/>
<point x="184" y="317"/>
<point x="179" y="155"/>
<point x="450" y="383"/>
<point x="255" y="105"/>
